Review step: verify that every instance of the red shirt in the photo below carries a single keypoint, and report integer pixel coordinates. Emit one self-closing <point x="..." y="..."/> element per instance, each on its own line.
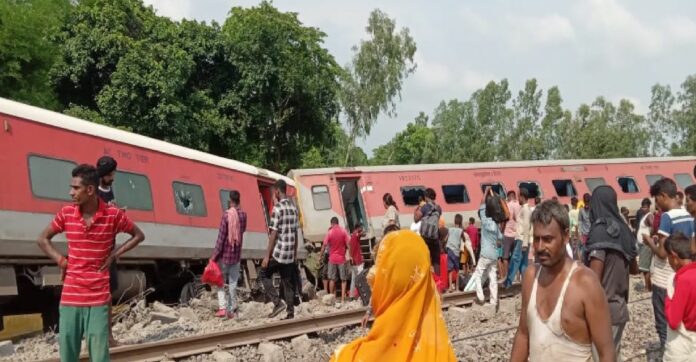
<point x="681" y="308"/>
<point x="472" y="231"/>
<point x="355" y="252"/>
<point x="337" y="241"/>
<point x="88" y="248"/>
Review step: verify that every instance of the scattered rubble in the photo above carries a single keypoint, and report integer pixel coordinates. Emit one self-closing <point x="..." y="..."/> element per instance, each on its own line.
<point x="143" y="323"/>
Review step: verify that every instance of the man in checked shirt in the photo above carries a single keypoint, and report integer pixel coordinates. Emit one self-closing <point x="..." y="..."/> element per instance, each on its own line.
<point x="228" y="251"/>
<point x="281" y="252"/>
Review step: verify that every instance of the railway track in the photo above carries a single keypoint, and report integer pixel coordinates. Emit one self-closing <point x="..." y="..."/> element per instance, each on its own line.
<point x="179" y="348"/>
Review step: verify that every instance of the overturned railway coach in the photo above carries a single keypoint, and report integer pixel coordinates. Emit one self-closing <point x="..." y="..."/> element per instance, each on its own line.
<point x="355" y="194"/>
<point x="176" y="195"/>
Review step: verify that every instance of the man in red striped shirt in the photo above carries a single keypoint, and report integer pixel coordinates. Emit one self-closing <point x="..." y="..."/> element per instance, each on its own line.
<point x="90" y="227"/>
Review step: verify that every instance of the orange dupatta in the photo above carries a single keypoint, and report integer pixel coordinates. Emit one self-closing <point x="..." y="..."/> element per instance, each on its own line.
<point x="409" y="325"/>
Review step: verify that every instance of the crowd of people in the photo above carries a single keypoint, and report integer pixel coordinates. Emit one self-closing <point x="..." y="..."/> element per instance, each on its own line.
<point x="573" y="262"/>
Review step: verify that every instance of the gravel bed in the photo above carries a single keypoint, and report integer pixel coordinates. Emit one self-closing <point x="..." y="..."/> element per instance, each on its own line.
<point x="464" y="324"/>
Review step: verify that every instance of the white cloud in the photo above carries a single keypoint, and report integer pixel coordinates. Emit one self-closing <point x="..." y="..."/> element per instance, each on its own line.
<point x="472" y="80"/>
<point x="527" y="31"/>
<point x="175" y="9"/>
<point x="680" y="29"/>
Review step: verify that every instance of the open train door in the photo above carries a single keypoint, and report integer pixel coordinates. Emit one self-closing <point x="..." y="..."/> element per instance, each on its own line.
<point x="350" y="185"/>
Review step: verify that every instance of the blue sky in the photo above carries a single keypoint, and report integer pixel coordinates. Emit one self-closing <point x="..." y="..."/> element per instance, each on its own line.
<point x="617" y="49"/>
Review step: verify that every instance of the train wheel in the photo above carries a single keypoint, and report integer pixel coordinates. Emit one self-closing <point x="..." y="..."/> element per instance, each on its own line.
<point x="190" y="291"/>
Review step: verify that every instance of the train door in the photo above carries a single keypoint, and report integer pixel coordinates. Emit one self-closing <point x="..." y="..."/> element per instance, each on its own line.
<point x="353" y="206"/>
<point x="266" y="192"/>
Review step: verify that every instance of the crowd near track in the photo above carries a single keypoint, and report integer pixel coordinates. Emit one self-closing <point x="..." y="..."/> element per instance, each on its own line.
<point x="179" y="348"/>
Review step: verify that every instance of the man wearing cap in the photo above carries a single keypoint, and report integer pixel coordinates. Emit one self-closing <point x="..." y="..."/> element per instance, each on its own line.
<point x="106" y="170"/>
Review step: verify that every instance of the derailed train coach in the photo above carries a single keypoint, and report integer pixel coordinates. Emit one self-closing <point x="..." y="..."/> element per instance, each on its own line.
<point x="175" y="194"/>
<point x="354" y="194"/>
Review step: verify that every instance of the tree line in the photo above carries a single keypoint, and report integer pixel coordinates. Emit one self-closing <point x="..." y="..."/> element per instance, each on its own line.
<point x="262" y="88"/>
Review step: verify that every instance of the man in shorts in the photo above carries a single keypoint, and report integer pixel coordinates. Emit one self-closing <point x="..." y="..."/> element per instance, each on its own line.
<point x="337" y="241"/>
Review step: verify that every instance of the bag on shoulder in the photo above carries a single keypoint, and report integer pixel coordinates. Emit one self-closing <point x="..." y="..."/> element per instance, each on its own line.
<point x="496" y="209"/>
<point x="430" y="224"/>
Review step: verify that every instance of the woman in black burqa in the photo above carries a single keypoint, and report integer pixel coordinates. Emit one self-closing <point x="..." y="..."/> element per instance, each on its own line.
<point x="609" y="230"/>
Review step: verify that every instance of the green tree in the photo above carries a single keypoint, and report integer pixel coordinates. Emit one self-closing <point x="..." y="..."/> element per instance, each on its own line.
<point x="414" y="145"/>
<point x="523" y="143"/>
<point x="284" y="92"/>
<point x="372" y="82"/>
<point x="555" y="126"/>
<point x="26" y="52"/>
<point x="660" y="117"/>
<point x="333" y="152"/>
<point x="684" y="136"/>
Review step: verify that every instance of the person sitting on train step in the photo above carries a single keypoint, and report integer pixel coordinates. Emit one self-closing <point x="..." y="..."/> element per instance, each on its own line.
<point x="611" y="254"/>
<point x="337" y="241"/>
<point x="356" y="258"/>
<point x="429" y="216"/>
<point x="106" y="169"/>
<point x="391" y="217"/>
<point x="90" y="226"/>
<point x="228" y="252"/>
<point x="672" y="220"/>
<point x="408" y="325"/>
<point x="281" y="254"/>
<point x="564" y="310"/>
<point x="680" y="304"/>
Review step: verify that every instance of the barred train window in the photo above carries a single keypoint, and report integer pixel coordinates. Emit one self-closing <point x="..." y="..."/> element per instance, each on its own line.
<point x="321" y="197"/>
<point x="532" y="187"/>
<point x="683" y="180"/>
<point x="50" y="178"/>
<point x="653" y="178"/>
<point x="564" y="188"/>
<point x="628" y="184"/>
<point x="594" y="182"/>
<point x="455" y="194"/>
<point x="497" y="187"/>
<point x="411" y="194"/>
<point x="133" y="191"/>
<point x="189" y="199"/>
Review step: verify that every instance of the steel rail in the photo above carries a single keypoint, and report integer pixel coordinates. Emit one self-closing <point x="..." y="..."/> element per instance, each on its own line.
<point x="205" y="343"/>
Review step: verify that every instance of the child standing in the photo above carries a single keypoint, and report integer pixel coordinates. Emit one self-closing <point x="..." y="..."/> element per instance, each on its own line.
<point x="680" y="304"/>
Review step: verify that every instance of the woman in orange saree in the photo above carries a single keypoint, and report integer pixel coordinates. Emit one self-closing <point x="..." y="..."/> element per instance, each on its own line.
<point x="409" y="325"/>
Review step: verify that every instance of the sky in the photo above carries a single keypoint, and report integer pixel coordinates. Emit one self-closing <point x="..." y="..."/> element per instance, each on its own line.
<point x="616" y="49"/>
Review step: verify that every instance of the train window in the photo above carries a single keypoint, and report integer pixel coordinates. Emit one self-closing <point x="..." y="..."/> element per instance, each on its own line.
<point x="224" y="199"/>
<point x="455" y="194"/>
<point x="497" y="187"/>
<point x="133" y="191"/>
<point x="594" y="182"/>
<point x="189" y="199"/>
<point x="628" y="185"/>
<point x="321" y="198"/>
<point x="50" y="178"/>
<point x="653" y="178"/>
<point x="564" y="188"/>
<point x="683" y="180"/>
<point x="411" y="194"/>
<point x="532" y="187"/>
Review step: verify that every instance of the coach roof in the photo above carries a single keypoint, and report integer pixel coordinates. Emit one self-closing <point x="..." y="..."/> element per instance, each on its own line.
<point x="77" y="125"/>
<point x="483" y="165"/>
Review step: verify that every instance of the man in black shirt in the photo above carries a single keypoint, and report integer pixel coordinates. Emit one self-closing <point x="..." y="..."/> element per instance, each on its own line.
<point x="106" y="169"/>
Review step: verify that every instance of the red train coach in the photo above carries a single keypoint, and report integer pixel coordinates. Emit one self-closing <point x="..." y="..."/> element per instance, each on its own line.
<point x="355" y="194"/>
<point x="176" y="195"/>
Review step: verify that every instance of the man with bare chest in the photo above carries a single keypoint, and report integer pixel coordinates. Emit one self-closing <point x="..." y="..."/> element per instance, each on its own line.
<point x="564" y="310"/>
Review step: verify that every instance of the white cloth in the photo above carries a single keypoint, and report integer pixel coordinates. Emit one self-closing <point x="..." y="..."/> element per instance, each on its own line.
<point x="490" y="267"/>
<point x="547" y="339"/>
<point x="466" y="246"/>
<point x="415" y="227"/>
